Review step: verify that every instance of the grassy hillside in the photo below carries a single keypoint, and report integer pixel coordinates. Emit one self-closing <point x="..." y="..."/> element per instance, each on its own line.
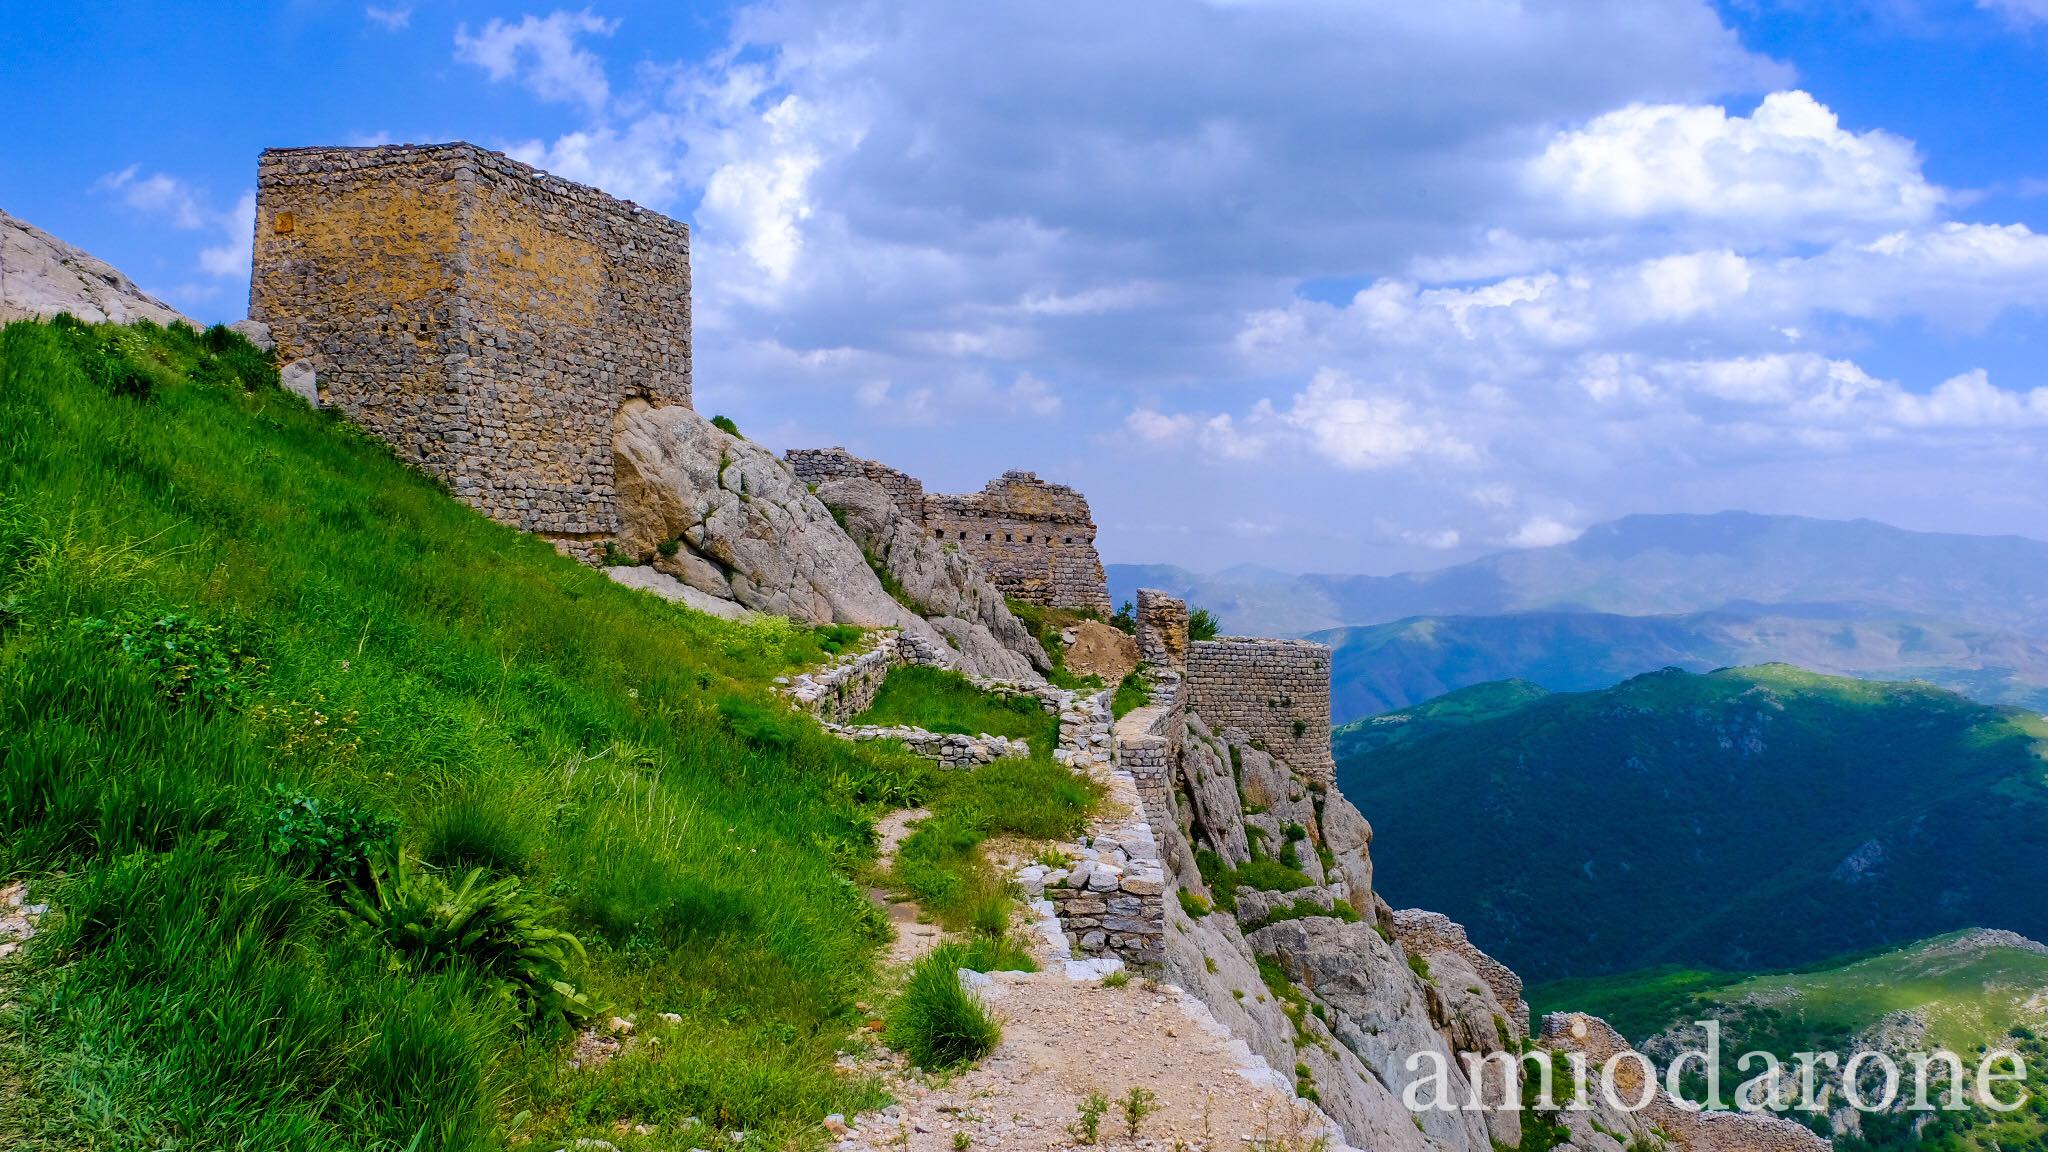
<point x="1743" y="819"/>
<point x="1383" y="667"/>
<point x="1970" y="991"/>
<point x="267" y="698"/>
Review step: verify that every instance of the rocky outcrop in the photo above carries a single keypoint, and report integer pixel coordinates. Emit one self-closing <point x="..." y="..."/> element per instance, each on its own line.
<point x="1665" y="1122"/>
<point x="41" y="275"/>
<point x="1352" y="1005"/>
<point x="948" y="587"/>
<point x="725" y="517"/>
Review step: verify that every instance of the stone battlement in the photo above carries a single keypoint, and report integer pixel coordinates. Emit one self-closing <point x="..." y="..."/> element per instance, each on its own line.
<point x="1278" y="691"/>
<point x="1035" y="540"/>
<point x="485" y="318"/>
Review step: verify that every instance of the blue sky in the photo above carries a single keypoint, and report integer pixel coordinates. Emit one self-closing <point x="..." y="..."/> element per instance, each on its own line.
<point x="1351" y="286"/>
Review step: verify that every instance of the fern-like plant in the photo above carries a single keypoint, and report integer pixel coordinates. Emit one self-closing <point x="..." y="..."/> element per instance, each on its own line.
<point x="508" y="935"/>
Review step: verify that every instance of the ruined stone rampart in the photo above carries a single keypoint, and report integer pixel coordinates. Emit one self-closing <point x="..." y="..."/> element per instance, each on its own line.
<point x="1278" y="691"/>
<point x="484" y="317"/>
<point x="1162" y="629"/>
<point x="1034" y="540"/>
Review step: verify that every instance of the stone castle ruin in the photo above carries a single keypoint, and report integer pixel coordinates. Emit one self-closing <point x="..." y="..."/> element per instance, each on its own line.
<point x="527" y="340"/>
<point x="1036" y="541"/>
<point x="487" y="319"/>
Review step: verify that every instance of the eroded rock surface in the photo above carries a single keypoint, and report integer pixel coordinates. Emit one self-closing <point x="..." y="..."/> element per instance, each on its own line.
<point x="954" y="594"/>
<point x="41" y="275"/>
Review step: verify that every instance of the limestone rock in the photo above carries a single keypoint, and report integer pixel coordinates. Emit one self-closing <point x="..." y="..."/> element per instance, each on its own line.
<point x="669" y="588"/>
<point x="955" y="595"/>
<point x="299" y="379"/>
<point x="1100" y="650"/>
<point x="1214" y="816"/>
<point x="1378" y="1008"/>
<point x="255" y="332"/>
<point x="730" y="503"/>
<point x="41" y="275"/>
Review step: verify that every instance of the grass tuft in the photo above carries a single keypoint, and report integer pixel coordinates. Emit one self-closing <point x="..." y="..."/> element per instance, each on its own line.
<point x="936" y="1021"/>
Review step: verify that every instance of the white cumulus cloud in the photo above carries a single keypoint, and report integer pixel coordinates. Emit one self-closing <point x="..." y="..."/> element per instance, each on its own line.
<point x="544" y="53"/>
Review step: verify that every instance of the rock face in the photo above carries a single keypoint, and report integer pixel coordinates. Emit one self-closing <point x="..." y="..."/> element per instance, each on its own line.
<point x="950" y="588"/>
<point x="724" y="517"/>
<point x="42" y="276"/>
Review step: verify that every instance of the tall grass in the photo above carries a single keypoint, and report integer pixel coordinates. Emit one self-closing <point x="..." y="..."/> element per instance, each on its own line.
<point x="386" y="648"/>
<point x="942" y="863"/>
<point x="936" y="1021"/>
<point x="941" y="700"/>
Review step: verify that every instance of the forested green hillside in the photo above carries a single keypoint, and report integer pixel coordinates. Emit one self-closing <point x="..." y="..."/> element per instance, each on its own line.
<point x="1742" y="819"/>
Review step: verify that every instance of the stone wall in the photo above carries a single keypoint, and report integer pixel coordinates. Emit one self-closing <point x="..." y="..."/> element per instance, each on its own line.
<point x="846" y="687"/>
<point x="485" y="318"/>
<point x="1162" y="629"/>
<point x="1424" y="933"/>
<point x="1035" y="540"/>
<point x="1278" y="691"/>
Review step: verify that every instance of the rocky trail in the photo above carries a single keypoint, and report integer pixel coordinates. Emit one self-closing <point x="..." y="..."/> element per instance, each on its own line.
<point x="1073" y="1030"/>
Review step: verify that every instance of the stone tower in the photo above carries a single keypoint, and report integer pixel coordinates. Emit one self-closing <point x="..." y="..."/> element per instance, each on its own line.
<point x="486" y="319"/>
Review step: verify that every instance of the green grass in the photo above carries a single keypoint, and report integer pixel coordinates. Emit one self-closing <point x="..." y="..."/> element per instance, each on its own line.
<point x="941" y="863"/>
<point x="941" y="700"/>
<point x="935" y="1020"/>
<point x="1264" y="874"/>
<point x="1132" y="693"/>
<point x="382" y="647"/>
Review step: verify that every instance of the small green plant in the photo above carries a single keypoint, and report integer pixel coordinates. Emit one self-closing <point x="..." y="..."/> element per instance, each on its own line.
<point x="613" y="558"/>
<point x="1193" y="903"/>
<point x="936" y="1021"/>
<point x="962" y="1142"/>
<point x="1137" y="1104"/>
<point x="1088" y="1129"/>
<point x="1418" y="965"/>
<point x="1132" y="693"/>
<point x="1202" y="625"/>
<point x="190" y="661"/>
<point x="506" y="934"/>
<point x="1053" y="858"/>
<point x="328" y="840"/>
<point x="669" y="547"/>
<point x="725" y="424"/>
<point x="1117" y="979"/>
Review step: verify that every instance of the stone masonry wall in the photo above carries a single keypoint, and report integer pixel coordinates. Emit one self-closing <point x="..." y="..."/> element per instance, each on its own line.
<point x="485" y="318"/>
<point x="1278" y="691"/>
<point x="1034" y="540"/>
<point x="1162" y="629"/>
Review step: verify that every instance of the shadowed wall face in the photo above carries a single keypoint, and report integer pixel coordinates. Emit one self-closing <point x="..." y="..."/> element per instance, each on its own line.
<point x="1277" y="691"/>
<point x="485" y="318"/>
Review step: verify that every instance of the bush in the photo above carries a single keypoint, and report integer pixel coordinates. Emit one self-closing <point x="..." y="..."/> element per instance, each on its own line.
<point x="1126" y="619"/>
<point x="328" y="840"/>
<point x="725" y="424"/>
<point x="507" y="935"/>
<point x="936" y="1021"/>
<point x="1202" y="625"/>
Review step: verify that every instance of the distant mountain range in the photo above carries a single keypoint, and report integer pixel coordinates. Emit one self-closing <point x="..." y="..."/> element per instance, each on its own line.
<point x="1644" y="592"/>
<point x="1745" y="819"/>
<point x="1382" y="667"/>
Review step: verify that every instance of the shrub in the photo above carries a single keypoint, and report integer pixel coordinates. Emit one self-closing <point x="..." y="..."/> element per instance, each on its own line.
<point x="1202" y="625"/>
<point x="725" y="424"/>
<point x="936" y="1021"/>
<point x="328" y="840"/>
<point x="506" y="934"/>
<point x="1193" y="904"/>
<point x="1126" y="619"/>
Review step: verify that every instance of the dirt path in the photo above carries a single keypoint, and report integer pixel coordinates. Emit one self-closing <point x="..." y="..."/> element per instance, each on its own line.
<point x="913" y="936"/>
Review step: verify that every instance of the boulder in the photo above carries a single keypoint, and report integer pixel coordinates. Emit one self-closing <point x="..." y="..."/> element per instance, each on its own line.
<point x="255" y="332"/>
